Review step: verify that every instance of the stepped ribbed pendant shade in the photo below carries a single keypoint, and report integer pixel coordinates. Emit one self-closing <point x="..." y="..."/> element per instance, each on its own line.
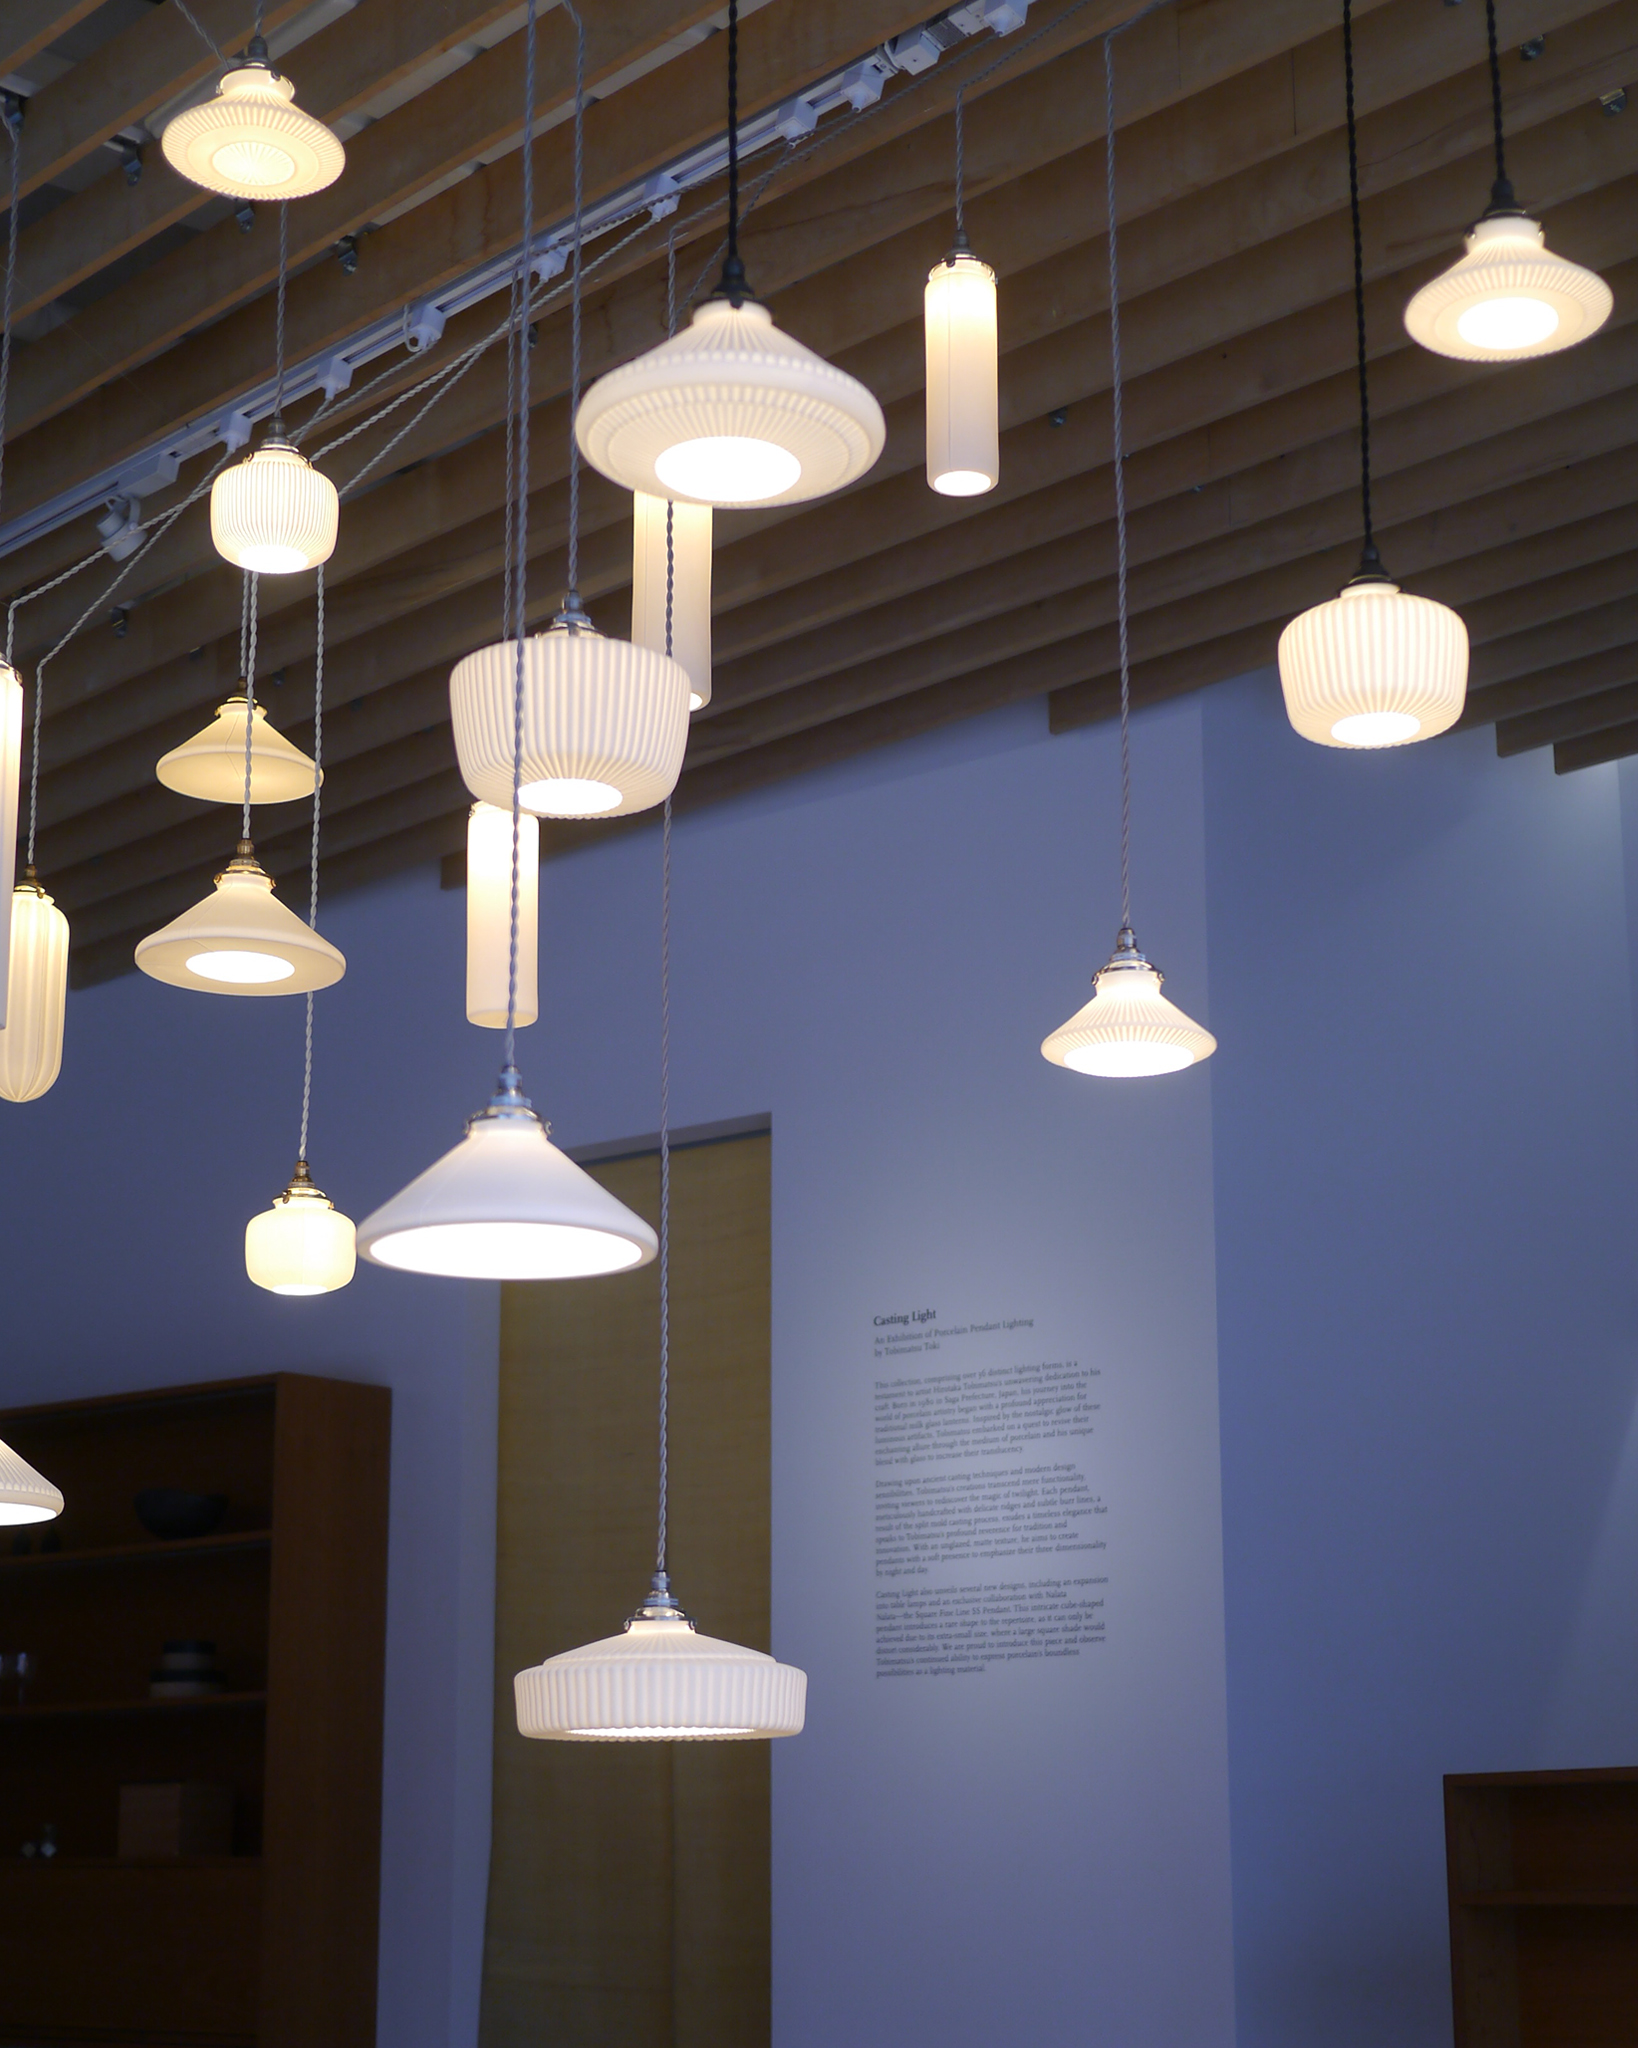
<point x="1128" y="1029"/>
<point x="303" y="1244"/>
<point x="690" y="582"/>
<point x="963" y="442"/>
<point x="731" y="411"/>
<point x="250" y="142"/>
<point x="24" y="1495"/>
<point x="211" y="765"/>
<point x="605" y="723"/>
<point x="1374" y="667"/>
<point x="31" y="1042"/>
<point x="274" y="512"/>
<point x="489" y="915"/>
<point x="11" y="775"/>
<point x="1508" y="297"/>
<point x="241" y="941"/>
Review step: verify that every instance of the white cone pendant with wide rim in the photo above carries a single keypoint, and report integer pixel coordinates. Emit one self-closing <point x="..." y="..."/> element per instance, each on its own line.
<point x="1128" y="1030"/>
<point x="211" y="765"/>
<point x="24" y="1495"/>
<point x="250" y="142"/>
<point x="1508" y="297"/>
<point x="241" y="941"/>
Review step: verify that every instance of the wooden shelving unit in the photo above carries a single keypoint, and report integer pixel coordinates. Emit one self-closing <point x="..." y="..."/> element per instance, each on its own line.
<point x="274" y="1945"/>
<point x="1543" y="1871"/>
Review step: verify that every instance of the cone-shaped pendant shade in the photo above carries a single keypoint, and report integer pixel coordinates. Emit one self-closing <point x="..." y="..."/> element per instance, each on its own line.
<point x="1508" y="297"/>
<point x="274" y="512"/>
<point x="963" y="445"/>
<point x="241" y="941"/>
<point x="506" y="1204"/>
<point x="31" y="1044"/>
<point x="689" y="583"/>
<point x="250" y="142"/>
<point x="303" y="1244"/>
<point x="1128" y="1029"/>
<point x="24" y="1495"/>
<point x="489" y="915"/>
<point x="211" y="765"/>
<point x="732" y="411"/>
<point x="1374" y="667"/>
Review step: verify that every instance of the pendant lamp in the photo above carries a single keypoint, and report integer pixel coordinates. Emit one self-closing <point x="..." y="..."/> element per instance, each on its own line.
<point x="732" y="411"/>
<point x="489" y="917"/>
<point x="24" y="1495"/>
<point x="211" y="765"/>
<point x="11" y="775"/>
<point x="1374" y="666"/>
<point x="1128" y="1029"/>
<point x="241" y="940"/>
<point x="31" y="1041"/>
<point x="303" y="1244"/>
<point x="963" y="432"/>
<point x="1508" y="296"/>
<point x="671" y="571"/>
<point x="249" y="141"/>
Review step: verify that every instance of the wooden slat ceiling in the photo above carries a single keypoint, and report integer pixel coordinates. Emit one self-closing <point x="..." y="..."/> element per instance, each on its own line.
<point x="1511" y="493"/>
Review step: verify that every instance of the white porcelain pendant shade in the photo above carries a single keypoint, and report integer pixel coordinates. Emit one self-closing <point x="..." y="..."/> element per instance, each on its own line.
<point x="731" y="411"/>
<point x="31" y="1042"/>
<point x="11" y="776"/>
<point x="24" y="1495"/>
<point x="249" y="141"/>
<point x="1374" y="667"/>
<point x="689" y="581"/>
<point x="274" y="512"/>
<point x="605" y="723"/>
<point x="489" y="915"/>
<point x="241" y="941"/>
<point x="1129" y="1029"/>
<point x="1508" y="297"/>
<point x="211" y="765"/>
<point x="963" y="433"/>
<point x="302" y="1244"/>
<point x="506" y="1204"/>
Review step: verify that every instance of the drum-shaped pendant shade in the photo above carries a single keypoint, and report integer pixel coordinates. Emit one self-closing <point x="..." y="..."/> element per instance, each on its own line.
<point x="660" y="1681"/>
<point x="274" y="512"/>
<point x="1374" y="667"/>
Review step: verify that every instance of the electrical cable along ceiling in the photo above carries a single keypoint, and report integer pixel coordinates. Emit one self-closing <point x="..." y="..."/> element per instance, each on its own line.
<point x="144" y="311"/>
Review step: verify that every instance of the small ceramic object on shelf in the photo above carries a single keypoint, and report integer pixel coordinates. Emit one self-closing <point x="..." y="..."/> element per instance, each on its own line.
<point x="186" y="1671"/>
<point x="171" y="1513"/>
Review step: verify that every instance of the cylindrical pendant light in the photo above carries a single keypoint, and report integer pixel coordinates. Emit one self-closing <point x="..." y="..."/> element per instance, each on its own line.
<point x="963" y="431"/>
<point x="24" y="1495"/>
<point x="31" y="1041"/>
<point x="671" y="576"/>
<point x="249" y="141"/>
<point x="211" y="765"/>
<point x="489" y="917"/>
<point x="11" y="774"/>
<point x="303" y="1244"/>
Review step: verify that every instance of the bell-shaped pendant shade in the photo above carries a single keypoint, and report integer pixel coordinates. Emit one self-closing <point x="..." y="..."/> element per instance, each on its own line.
<point x="211" y="765"/>
<point x="489" y="915"/>
<point x="1128" y="1029"/>
<point x="506" y="1204"/>
<point x="1374" y="667"/>
<point x="31" y="1042"/>
<point x="250" y="142"/>
<point x="303" y="1244"/>
<point x="605" y="723"/>
<point x="660" y="1681"/>
<point x="241" y="941"/>
<point x="11" y="771"/>
<point x="963" y="438"/>
<point x="24" y="1495"/>
<point x="1508" y="297"/>
<point x="732" y="411"/>
<point x="274" y="512"/>
<point x="689" y="581"/>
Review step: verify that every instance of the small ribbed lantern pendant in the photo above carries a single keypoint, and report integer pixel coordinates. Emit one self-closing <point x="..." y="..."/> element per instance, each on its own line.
<point x="958" y="312"/>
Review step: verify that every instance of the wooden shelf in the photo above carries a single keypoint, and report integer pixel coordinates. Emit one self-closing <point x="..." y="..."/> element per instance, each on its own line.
<point x="47" y="1711"/>
<point x="143" y="1553"/>
<point x="1552" y="1898"/>
<point x="34" y="1865"/>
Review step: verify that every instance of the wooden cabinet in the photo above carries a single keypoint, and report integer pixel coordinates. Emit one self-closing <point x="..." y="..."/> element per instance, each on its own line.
<point x="1543" y="1869"/>
<point x="271" y="1944"/>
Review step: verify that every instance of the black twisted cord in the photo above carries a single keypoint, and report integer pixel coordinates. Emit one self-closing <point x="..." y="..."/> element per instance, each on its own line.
<point x="1501" y="193"/>
<point x="1369" y="561"/>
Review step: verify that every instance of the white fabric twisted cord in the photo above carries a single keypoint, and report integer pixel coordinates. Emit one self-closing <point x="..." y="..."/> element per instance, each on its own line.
<point x="200" y="29"/>
<point x="253" y="607"/>
<point x="40" y="590"/>
<point x="313" y="857"/>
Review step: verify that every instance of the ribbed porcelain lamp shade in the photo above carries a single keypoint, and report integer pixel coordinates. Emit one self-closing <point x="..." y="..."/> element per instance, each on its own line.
<point x="1508" y="297"/>
<point x="605" y="724"/>
<point x="731" y="411"/>
<point x="250" y="142"/>
<point x="1374" y="667"/>
<point x="1128" y="1029"/>
<point x="489" y="915"/>
<point x="31" y="1042"/>
<point x="302" y="1244"/>
<point x="274" y="512"/>
<point x="660" y="1681"/>
<point x="11" y="775"/>
<point x="241" y="941"/>
<point x="211" y="765"/>
<point x="963" y="437"/>
<point x="24" y="1495"/>
<point x="690" y="586"/>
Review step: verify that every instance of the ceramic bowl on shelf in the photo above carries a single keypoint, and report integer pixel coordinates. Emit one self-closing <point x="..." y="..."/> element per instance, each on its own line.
<point x="187" y="1671"/>
<point x="171" y="1513"/>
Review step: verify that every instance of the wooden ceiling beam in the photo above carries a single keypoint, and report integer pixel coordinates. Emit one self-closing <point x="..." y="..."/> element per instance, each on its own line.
<point x="28" y="26"/>
<point x="1614" y="743"/>
<point x="1593" y="694"/>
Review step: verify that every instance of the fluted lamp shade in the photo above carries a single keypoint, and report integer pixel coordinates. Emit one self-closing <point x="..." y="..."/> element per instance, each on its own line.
<point x="1374" y="667"/>
<point x="24" y="1495"/>
<point x="731" y="411"/>
<point x="31" y="1041"/>
<point x="302" y="1244"/>
<point x="689" y="584"/>
<point x="249" y="141"/>
<point x="605" y="723"/>
<point x="963" y="438"/>
<point x="241" y="941"/>
<point x="489" y="915"/>
<point x="1508" y="297"/>
<point x="1128" y="1029"/>
<point x="274" y="512"/>
<point x="211" y="765"/>
<point x="11" y="772"/>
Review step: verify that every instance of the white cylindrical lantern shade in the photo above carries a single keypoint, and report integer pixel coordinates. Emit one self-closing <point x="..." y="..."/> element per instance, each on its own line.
<point x="689" y="583"/>
<point x="250" y="142"/>
<point x="605" y="724"/>
<point x="1128" y="1029"/>
<point x="732" y="411"/>
<point x="211" y="765"/>
<point x="31" y="1042"/>
<point x="11" y="775"/>
<point x="1508" y="297"/>
<point x="241" y="941"/>
<point x="963" y="435"/>
<point x="489" y="915"/>
<point x="660" y="1681"/>
<point x="1374" y="667"/>
<point x="274" y="513"/>
<point x="303" y="1244"/>
<point x="24" y="1495"/>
